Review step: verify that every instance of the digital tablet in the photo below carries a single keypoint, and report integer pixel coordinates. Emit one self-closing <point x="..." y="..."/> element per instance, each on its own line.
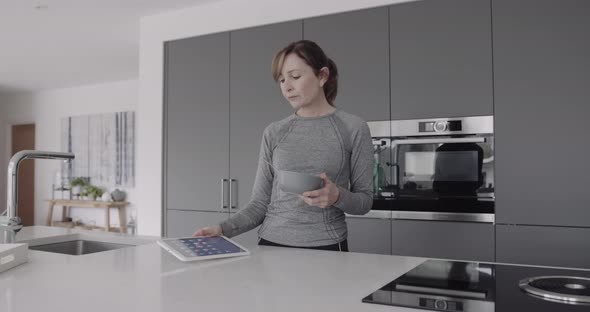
<point x="202" y="248"/>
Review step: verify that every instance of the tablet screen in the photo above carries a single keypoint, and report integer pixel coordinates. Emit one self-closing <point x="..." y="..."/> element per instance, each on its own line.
<point x="204" y="246"/>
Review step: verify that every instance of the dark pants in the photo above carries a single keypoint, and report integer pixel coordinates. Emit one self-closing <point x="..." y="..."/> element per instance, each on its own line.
<point x="342" y="246"/>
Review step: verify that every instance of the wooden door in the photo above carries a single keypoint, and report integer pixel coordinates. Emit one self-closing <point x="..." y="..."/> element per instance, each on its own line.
<point x="23" y="138"/>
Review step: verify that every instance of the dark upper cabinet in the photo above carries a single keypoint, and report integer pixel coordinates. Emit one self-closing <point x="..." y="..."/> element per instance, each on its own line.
<point x="441" y="62"/>
<point x="255" y="99"/>
<point x="196" y="133"/>
<point x="358" y="44"/>
<point x="542" y="74"/>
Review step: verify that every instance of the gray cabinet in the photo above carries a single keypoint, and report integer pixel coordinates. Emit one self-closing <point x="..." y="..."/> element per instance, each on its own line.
<point x="255" y="99"/>
<point x="438" y="239"/>
<point x="541" y="70"/>
<point x="219" y="96"/>
<point x="358" y="44"/>
<point x="207" y="89"/>
<point x="369" y="235"/>
<point x="441" y="62"/>
<point x="196" y="133"/>
<point x="183" y="223"/>
<point x="255" y="102"/>
<point x="538" y="245"/>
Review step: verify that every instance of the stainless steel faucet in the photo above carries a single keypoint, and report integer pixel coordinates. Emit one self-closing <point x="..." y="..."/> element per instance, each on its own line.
<point x="10" y="225"/>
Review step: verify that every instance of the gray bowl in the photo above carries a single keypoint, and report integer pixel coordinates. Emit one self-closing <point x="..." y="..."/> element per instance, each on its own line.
<point x="295" y="182"/>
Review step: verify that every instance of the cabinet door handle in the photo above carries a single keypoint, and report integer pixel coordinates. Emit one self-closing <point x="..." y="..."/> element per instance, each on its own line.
<point x="223" y="197"/>
<point x="232" y="190"/>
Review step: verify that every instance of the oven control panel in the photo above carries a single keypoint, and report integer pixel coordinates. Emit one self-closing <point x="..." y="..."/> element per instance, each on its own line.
<point x="439" y="126"/>
<point x="441" y="304"/>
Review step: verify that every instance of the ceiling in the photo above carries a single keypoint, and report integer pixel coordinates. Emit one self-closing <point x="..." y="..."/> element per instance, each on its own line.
<point x="49" y="44"/>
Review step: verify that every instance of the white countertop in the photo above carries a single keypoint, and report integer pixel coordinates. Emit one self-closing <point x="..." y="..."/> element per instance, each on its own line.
<point x="147" y="278"/>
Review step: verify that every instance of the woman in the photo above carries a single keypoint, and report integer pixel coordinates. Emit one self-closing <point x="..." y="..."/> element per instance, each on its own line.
<point x="317" y="138"/>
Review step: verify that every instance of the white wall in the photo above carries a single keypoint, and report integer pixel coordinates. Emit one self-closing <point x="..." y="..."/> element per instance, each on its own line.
<point x="212" y="17"/>
<point x="46" y="109"/>
<point x="14" y="110"/>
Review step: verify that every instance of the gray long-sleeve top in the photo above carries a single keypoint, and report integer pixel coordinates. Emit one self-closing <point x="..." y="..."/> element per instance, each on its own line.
<point x="338" y="144"/>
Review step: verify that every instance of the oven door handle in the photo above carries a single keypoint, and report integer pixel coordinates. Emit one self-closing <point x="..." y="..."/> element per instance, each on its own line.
<point x="443" y="216"/>
<point x="396" y="174"/>
<point x="437" y="141"/>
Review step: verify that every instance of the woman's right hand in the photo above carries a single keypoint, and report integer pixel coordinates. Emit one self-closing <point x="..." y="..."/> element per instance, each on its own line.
<point x="209" y="231"/>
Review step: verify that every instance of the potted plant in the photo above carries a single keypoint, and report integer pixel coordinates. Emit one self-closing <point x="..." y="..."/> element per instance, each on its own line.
<point x="93" y="192"/>
<point x="77" y="184"/>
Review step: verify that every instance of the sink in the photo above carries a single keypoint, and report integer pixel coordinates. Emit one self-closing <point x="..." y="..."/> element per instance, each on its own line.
<point x="78" y="247"/>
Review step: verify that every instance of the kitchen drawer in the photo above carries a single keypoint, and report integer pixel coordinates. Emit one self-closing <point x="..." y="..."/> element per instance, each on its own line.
<point x="369" y="235"/>
<point x="438" y="239"/>
<point x="540" y="245"/>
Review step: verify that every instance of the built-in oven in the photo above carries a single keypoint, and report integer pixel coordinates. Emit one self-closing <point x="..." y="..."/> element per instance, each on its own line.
<point x="434" y="169"/>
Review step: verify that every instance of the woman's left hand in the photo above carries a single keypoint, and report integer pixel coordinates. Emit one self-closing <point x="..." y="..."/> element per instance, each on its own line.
<point x="324" y="197"/>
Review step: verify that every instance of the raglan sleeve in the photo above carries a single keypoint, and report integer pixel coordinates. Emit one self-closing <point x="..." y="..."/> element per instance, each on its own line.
<point x="253" y="213"/>
<point x="358" y="200"/>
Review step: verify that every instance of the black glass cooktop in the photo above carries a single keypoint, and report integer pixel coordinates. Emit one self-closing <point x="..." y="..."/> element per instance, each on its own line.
<point x="470" y="286"/>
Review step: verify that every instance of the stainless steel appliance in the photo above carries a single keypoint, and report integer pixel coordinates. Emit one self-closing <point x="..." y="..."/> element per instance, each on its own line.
<point x="469" y="286"/>
<point x="435" y="169"/>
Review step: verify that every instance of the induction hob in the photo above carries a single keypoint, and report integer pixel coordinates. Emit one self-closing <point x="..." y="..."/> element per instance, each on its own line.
<point x="470" y="286"/>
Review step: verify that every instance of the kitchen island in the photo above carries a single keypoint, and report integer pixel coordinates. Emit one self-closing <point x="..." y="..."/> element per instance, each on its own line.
<point x="147" y="278"/>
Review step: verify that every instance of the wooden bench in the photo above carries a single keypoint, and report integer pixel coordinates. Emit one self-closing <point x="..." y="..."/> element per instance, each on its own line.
<point x="67" y="203"/>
